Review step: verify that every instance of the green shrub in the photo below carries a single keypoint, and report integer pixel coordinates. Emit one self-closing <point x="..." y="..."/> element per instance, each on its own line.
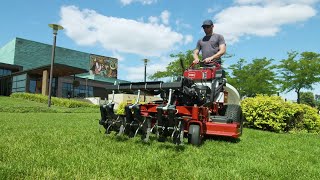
<point x="311" y="119"/>
<point x="54" y="100"/>
<point x="274" y="114"/>
<point x="122" y="105"/>
<point x="120" y="110"/>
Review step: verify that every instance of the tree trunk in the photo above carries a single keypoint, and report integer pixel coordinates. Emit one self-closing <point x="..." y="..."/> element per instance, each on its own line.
<point x="298" y="95"/>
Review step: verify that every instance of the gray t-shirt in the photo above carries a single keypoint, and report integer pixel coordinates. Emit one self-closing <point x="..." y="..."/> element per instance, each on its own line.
<point x="209" y="45"/>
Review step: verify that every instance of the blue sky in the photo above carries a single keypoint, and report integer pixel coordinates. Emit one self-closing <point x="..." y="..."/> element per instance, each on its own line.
<point x="131" y="30"/>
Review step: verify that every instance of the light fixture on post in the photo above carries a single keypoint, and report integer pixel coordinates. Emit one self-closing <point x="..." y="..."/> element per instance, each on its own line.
<point x="55" y="28"/>
<point x="145" y="75"/>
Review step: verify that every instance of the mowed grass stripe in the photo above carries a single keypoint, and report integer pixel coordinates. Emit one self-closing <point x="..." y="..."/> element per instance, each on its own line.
<point x="70" y="146"/>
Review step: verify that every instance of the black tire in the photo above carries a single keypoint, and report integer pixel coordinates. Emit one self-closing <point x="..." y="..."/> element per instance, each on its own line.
<point x="194" y="135"/>
<point x="233" y="113"/>
<point x="241" y="123"/>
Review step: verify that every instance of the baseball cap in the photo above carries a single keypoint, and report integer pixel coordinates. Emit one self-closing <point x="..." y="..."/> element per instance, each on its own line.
<point x="207" y="22"/>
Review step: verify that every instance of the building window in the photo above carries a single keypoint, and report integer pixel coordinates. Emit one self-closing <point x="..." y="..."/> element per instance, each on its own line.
<point x="90" y="91"/>
<point x="32" y="86"/>
<point x="4" y="72"/>
<point x="5" y="86"/>
<point x="19" y="83"/>
<point x="78" y="92"/>
<point x="54" y="87"/>
<point x="35" y="85"/>
<point x="66" y="90"/>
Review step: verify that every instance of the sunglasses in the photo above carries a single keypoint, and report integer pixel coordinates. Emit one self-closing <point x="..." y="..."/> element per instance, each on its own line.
<point x="205" y="27"/>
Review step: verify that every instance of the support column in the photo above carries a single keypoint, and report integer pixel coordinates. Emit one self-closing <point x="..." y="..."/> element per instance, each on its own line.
<point x="45" y="78"/>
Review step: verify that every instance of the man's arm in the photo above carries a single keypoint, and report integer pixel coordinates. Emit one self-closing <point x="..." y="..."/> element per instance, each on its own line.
<point x="196" y="53"/>
<point x="222" y="50"/>
<point x="196" y="56"/>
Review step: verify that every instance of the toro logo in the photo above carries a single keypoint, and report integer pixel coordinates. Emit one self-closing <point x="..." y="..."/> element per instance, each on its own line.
<point x="191" y="74"/>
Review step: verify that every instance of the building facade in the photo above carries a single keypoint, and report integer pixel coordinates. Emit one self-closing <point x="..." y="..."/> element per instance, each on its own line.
<point x="25" y="67"/>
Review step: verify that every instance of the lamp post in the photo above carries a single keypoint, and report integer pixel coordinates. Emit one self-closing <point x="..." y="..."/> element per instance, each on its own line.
<point x="86" y="87"/>
<point x="55" y="28"/>
<point x="145" y="75"/>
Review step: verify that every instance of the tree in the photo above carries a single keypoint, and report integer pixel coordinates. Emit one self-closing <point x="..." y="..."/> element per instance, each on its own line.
<point x="317" y="98"/>
<point x="307" y="98"/>
<point x="298" y="74"/>
<point x="255" y="78"/>
<point x="238" y="76"/>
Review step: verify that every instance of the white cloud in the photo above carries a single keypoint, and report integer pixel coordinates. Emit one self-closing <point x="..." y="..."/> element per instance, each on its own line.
<point x="141" y="19"/>
<point x="165" y="17"/>
<point x="87" y="27"/>
<point x="117" y="55"/>
<point x="136" y="73"/>
<point x="153" y="20"/>
<point x="213" y="10"/>
<point x="126" y="2"/>
<point x="188" y="39"/>
<point x="261" y="17"/>
<point x="144" y="2"/>
<point x="276" y="2"/>
<point x="133" y="73"/>
<point x="181" y="25"/>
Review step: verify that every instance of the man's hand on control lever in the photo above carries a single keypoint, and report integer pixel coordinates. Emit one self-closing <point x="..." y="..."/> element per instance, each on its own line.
<point x="196" y="61"/>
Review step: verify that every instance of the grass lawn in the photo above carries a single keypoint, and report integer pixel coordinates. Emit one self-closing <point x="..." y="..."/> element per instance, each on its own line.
<point x="69" y="146"/>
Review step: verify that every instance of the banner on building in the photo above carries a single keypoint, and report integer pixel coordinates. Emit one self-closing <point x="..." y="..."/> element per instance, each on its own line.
<point x="104" y="66"/>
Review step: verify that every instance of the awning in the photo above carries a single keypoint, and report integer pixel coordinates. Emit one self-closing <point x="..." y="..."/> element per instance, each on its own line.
<point x="11" y="67"/>
<point x="59" y="70"/>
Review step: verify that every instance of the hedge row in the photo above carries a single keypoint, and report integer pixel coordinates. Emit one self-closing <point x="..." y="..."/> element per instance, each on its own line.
<point x="54" y="100"/>
<point x="272" y="113"/>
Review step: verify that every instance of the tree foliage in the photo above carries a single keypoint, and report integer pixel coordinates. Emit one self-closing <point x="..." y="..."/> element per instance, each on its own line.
<point x="302" y="73"/>
<point x="254" y="78"/>
<point x="307" y="98"/>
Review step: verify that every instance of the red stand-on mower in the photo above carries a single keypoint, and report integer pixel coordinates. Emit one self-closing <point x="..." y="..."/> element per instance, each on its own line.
<point x="199" y="104"/>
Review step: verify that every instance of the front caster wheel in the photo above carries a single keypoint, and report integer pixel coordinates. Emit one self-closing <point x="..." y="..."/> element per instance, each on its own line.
<point x="194" y="135"/>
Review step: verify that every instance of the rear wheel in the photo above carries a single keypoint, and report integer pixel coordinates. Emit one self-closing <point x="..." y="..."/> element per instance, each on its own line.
<point x="194" y="135"/>
<point x="233" y="113"/>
